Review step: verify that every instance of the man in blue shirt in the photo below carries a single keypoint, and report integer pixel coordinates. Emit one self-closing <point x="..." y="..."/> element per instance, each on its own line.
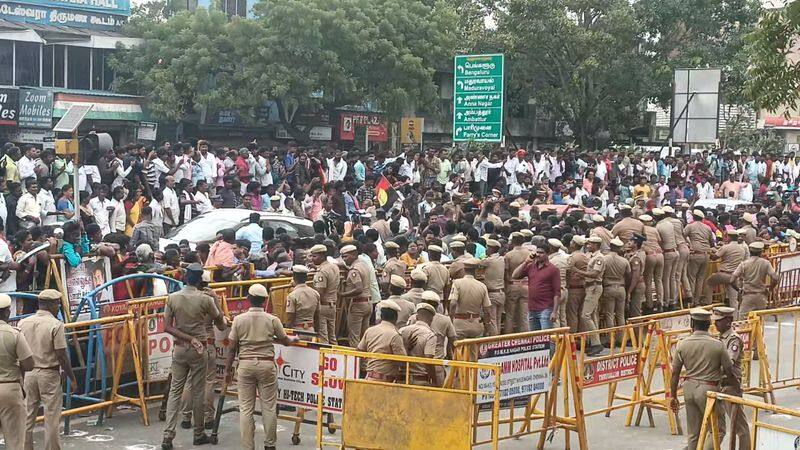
<point x="253" y="233"/>
<point x="359" y="170"/>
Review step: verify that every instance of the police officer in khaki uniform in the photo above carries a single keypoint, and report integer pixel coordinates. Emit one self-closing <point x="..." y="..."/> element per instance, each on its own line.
<point x="560" y="260"/>
<point x="706" y="363"/>
<point x="419" y="340"/>
<point x="302" y="304"/>
<point x="326" y="283"/>
<point x="653" y="264"/>
<point x="617" y="270"/>
<point x="669" y="247"/>
<point x="469" y="303"/>
<point x="397" y="287"/>
<point x="252" y="337"/>
<point x="601" y="231"/>
<point x="456" y="268"/>
<point x="185" y="315"/>
<point x="438" y="275"/>
<point x="48" y="343"/>
<point x="392" y="266"/>
<point x="593" y="276"/>
<point x="576" y="283"/>
<point x="683" y="250"/>
<point x="635" y="290"/>
<point x="723" y="321"/>
<point x="383" y="338"/>
<point x="15" y="358"/>
<point x="442" y="326"/>
<point x="701" y="239"/>
<point x="418" y="282"/>
<point x="356" y="288"/>
<point x="729" y="256"/>
<point x="494" y="274"/>
<point x="627" y="226"/>
<point x="516" y="290"/>
<point x="750" y="233"/>
<point x="752" y="272"/>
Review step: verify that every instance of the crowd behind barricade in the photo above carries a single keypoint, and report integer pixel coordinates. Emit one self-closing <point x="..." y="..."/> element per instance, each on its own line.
<point x="432" y="246"/>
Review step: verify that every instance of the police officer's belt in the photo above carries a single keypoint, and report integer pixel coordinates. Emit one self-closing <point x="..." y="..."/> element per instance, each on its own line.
<point x="48" y="368"/>
<point x="257" y="358"/>
<point x="466" y="316"/>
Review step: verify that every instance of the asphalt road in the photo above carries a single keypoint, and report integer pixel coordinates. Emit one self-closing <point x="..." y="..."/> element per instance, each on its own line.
<point x="124" y="430"/>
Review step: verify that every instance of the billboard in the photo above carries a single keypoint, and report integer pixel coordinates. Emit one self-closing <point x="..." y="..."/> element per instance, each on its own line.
<point x="93" y="14"/>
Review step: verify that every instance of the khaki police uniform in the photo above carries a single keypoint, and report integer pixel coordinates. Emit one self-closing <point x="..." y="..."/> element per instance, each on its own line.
<point x="750" y="234"/>
<point x="360" y="307"/>
<point x="653" y="267"/>
<point x="468" y="297"/>
<point x="445" y="332"/>
<point x="604" y="234"/>
<point x="733" y="412"/>
<point x="382" y="338"/>
<point x="700" y="240"/>
<point x="669" y="247"/>
<point x="636" y="260"/>
<point x="406" y="309"/>
<point x="730" y="256"/>
<point x="516" y="293"/>
<point x="561" y="261"/>
<point x="393" y="266"/>
<point x="414" y="295"/>
<point x="255" y="331"/>
<point x="326" y="282"/>
<point x="420" y="341"/>
<point x="304" y="302"/>
<point x="683" y="255"/>
<point x="594" y="290"/>
<point x="626" y="227"/>
<point x="45" y="335"/>
<point x="494" y="277"/>
<point x="189" y="310"/>
<point x="612" y="305"/>
<point x="704" y="358"/>
<point x="438" y="277"/>
<point x="456" y="268"/>
<point x="576" y="289"/>
<point x="753" y="273"/>
<point x="13" y="349"/>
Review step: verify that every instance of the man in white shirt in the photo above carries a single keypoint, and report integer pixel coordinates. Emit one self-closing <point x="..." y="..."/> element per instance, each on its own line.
<point x="28" y="210"/>
<point x="101" y="209"/>
<point x="120" y="172"/>
<point x="337" y="167"/>
<point x="8" y="268"/>
<point x="26" y="164"/>
<point x="158" y="210"/>
<point x="483" y="173"/>
<point x="170" y="204"/>
<point x="162" y="166"/>
<point x="263" y="169"/>
<point x="47" y="202"/>
<point x="208" y="162"/>
<point x="87" y="175"/>
<point x="118" y="215"/>
<point x="705" y="190"/>
<point x="201" y="197"/>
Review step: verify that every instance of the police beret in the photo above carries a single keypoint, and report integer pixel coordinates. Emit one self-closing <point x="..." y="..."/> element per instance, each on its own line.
<point x="668" y="209"/>
<point x="5" y="301"/>
<point x="388" y="304"/>
<point x="460" y="238"/>
<point x="391" y="244"/>
<point x="275" y="198"/>
<point x="616" y="242"/>
<point x="298" y="268"/>
<point x="645" y="218"/>
<point x="419" y="275"/>
<point x="456" y="244"/>
<point x="319" y="248"/>
<point x="348" y="249"/>
<point x="658" y="212"/>
<point x="435" y="248"/>
<point x="492" y="243"/>
<point x="700" y="314"/>
<point x="698" y="213"/>
<point x="471" y="262"/>
<point x="426" y="307"/>
<point x="526" y="233"/>
<point x="578" y="239"/>
<point x="594" y="240"/>
<point x="515" y="235"/>
<point x="625" y="206"/>
<point x="598" y="218"/>
<point x="555" y="243"/>
<point x="50" y="294"/>
<point x="430" y="296"/>
<point x="758" y="246"/>
<point x="721" y="312"/>
<point x="397" y="280"/>
<point x="258" y="290"/>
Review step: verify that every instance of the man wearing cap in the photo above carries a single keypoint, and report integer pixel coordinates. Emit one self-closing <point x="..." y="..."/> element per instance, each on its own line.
<point x="494" y="274"/>
<point x="392" y="266"/>
<point x="752" y="272"/>
<point x="438" y="275"/>
<point x="576" y="284"/>
<point x="635" y="291"/>
<point x="15" y="358"/>
<point x="418" y="282"/>
<point x="383" y="338"/>
<point x="601" y="231"/>
<point x="729" y="256"/>
<point x="252" y="337"/>
<point x="442" y="326"/>
<point x="357" y="289"/>
<point x="397" y="287"/>
<point x="593" y="276"/>
<point x="627" y="226"/>
<point x="185" y="315"/>
<point x="618" y="269"/>
<point x="723" y="321"/>
<point x="701" y="239"/>
<point x="456" y="268"/>
<point x="746" y="223"/>
<point x="516" y="290"/>
<point x="544" y="289"/>
<point x="419" y="340"/>
<point x="682" y="282"/>
<point x="303" y="303"/>
<point x="653" y="265"/>
<point x="326" y="283"/>
<point x="669" y="247"/>
<point x="48" y="343"/>
<point x="639" y="207"/>
<point x="560" y="259"/>
<point x="469" y="303"/>
<point x="706" y="363"/>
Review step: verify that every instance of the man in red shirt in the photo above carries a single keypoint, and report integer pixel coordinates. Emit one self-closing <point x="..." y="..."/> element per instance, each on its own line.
<point x="544" y="289"/>
<point x="243" y="167"/>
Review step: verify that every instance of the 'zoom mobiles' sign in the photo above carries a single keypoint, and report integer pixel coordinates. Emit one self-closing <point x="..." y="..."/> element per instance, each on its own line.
<point x="9" y="102"/>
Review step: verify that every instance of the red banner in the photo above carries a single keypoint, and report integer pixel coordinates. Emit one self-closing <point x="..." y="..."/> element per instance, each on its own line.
<point x="610" y="369"/>
<point x="377" y="130"/>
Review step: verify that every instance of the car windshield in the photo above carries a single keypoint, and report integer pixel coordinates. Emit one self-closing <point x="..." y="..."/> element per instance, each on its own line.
<point x="202" y="228"/>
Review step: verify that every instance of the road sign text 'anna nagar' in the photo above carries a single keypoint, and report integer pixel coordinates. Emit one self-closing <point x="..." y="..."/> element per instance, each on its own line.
<point x="478" y="98"/>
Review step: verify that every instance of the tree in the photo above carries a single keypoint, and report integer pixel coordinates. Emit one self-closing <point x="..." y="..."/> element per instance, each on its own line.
<point x="578" y="60"/>
<point x="774" y="74"/>
<point x="697" y="33"/>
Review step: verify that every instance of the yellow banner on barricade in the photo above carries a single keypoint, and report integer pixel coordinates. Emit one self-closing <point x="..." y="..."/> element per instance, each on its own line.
<point x="441" y="417"/>
<point x="776" y="330"/>
<point x="532" y="371"/>
<point x="763" y="432"/>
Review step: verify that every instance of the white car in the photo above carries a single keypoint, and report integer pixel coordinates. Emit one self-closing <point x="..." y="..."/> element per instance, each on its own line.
<point x="729" y="203"/>
<point x="205" y="226"/>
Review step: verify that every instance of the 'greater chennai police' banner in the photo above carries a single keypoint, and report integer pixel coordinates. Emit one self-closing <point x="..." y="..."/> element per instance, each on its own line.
<point x="524" y="365"/>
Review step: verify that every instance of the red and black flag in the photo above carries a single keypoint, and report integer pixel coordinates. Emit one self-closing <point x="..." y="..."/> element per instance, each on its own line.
<point x="385" y="193"/>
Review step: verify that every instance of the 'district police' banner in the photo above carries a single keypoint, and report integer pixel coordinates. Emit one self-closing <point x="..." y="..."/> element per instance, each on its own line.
<point x="524" y="364"/>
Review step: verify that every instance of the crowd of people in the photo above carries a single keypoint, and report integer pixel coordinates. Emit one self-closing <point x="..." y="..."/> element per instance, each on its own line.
<point x="436" y="245"/>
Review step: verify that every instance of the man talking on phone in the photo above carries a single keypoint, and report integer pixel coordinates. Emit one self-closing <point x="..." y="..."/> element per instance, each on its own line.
<point x="544" y="289"/>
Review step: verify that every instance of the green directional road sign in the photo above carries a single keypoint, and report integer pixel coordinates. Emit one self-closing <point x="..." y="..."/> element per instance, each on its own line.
<point x="478" y="98"/>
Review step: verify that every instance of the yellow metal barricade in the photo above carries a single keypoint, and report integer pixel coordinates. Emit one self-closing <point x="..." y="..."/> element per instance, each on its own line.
<point x="541" y="356"/>
<point x="400" y="416"/>
<point x="778" y="368"/>
<point x="763" y="434"/>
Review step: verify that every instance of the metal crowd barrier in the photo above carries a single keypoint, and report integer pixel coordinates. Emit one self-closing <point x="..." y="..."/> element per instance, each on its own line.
<point x="778" y="367"/>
